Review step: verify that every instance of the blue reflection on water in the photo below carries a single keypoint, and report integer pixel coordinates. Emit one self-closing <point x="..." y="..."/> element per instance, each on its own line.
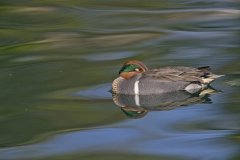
<point x="159" y="133"/>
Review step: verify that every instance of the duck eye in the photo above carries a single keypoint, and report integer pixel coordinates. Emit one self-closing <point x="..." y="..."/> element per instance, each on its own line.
<point x="137" y="70"/>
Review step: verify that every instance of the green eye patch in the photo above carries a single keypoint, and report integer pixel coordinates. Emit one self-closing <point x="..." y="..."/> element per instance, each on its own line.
<point x="128" y="68"/>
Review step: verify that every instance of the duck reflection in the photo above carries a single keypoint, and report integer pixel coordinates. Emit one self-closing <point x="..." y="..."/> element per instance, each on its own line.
<point x="137" y="106"/>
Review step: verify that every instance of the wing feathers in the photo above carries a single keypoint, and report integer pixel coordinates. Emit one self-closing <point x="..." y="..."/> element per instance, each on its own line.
<point x="187" y="74"/>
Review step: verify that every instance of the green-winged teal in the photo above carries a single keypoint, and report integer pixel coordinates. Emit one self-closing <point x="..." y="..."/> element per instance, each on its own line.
<point x="136" y="79"/>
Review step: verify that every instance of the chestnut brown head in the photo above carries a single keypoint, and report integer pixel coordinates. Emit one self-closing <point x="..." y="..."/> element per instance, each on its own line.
<point x="131" y="68"/>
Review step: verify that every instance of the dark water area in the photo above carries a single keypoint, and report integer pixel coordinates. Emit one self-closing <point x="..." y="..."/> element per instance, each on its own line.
<point x="59" y="58"/>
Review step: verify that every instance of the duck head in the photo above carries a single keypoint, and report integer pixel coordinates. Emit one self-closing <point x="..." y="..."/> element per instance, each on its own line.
<point x="132" y="68"/>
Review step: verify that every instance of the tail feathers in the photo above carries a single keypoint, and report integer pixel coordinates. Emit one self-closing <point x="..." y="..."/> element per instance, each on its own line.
<point x="211" y="78"/>
<point x="214" y="76"/>
<point x="204" y="68"/>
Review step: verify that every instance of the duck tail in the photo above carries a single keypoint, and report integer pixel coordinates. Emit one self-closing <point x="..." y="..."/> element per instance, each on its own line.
<point x="210" y="78"/>
<point x="204" y="68"/>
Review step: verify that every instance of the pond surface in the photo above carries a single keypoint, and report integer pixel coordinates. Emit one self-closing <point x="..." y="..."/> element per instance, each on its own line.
<point x="58" y="59"/>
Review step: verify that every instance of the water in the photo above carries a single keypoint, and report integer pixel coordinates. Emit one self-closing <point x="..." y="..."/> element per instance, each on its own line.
<point x="58" y="59"/>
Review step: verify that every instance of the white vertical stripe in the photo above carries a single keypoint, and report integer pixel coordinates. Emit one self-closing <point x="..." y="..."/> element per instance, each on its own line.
<point x="136" y="93"/>
<point x="136" y="88"/>
<point x="136" y="98"/>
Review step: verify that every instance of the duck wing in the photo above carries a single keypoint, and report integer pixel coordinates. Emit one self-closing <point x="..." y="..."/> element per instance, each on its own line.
<point x="178" y="73"/>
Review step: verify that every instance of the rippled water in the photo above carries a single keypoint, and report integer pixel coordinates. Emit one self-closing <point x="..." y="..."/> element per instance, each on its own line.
<point x="58" y="59"/>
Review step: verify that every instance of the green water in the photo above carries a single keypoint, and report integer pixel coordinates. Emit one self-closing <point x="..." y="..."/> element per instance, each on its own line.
<point x="58" y="59"/>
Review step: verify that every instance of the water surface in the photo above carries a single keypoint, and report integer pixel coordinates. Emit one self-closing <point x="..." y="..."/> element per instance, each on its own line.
<point x="58" y="59"/>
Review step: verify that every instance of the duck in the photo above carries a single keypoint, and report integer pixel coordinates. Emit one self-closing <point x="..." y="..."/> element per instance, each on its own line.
<point x="135" y="78"/>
